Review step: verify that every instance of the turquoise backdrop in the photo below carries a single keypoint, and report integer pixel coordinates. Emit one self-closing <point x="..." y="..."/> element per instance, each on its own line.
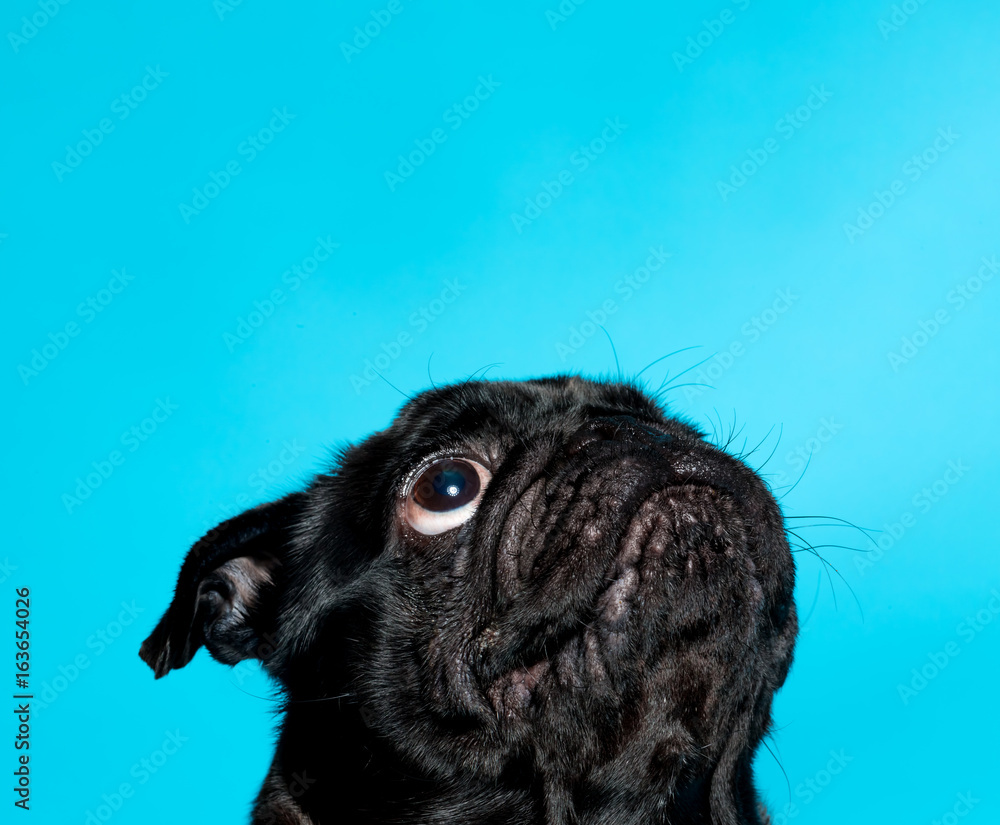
<point x="222" y="221"/>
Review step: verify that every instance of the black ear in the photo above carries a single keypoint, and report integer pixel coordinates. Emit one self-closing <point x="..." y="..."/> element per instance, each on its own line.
<point x="227" y="590"/>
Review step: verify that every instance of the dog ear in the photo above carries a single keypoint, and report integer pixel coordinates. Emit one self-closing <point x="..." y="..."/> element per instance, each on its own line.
<point x="227" y="590"/>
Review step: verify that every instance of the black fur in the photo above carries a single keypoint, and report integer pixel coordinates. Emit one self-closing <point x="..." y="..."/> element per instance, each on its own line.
<point x="598" y="644"/>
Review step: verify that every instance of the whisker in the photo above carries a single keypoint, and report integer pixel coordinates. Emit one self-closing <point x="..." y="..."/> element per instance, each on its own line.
<point x="745" y="456"/>
<point x="801" y="475"/>
<point x="840" y="523"/>
<point x="664" y="357"/>
<point x="336" y="698"/>
<point x="397" y="389"/>
<point x="717" y="433"/>
<point x="685" y="372"/>
<point x="618" y="367"/>
<point x="778" y="762"/>
<point x="429" y="378"/>
<point x="839" y="547"/>
<point x="815" y="601"/>
<point x="808" y="547"/>
<point x="678" y="386"/>
<point x="482" y="370"/>
<point x="271" y="699"/>
<point x="781" y="430"/>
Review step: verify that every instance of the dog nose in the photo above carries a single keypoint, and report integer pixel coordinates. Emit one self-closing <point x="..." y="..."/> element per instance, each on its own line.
<point x="614" y="428"/>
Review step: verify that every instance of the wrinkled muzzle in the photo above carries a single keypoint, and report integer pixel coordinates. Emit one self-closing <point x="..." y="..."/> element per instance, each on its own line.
<point x="626" y="588"/>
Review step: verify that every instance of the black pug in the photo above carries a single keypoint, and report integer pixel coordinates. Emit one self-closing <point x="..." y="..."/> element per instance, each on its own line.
<point x="524" y="602"/>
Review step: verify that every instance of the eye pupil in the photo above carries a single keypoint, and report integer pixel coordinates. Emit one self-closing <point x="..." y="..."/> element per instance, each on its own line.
<point x="446" y="485"/>
<point x="448" y="482"/>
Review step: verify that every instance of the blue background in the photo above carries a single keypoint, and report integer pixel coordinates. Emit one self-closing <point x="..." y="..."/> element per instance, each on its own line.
<point x="859" y="368"/>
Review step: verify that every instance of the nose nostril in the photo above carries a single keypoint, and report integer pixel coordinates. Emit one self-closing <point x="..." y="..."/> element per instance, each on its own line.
<point x="612" y="428"/>
<point x="583" y="437"/>
<point x="654" y="434"/>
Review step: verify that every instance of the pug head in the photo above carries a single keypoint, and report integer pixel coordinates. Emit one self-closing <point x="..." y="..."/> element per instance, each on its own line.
<point x="547" y="596"/>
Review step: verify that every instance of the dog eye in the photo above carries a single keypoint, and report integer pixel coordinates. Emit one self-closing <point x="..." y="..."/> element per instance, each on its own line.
<point x="445" y="495"/>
